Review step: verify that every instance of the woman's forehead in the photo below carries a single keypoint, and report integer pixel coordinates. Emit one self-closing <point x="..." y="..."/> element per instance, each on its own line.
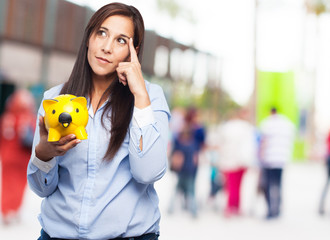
<point x="119" y="24"/>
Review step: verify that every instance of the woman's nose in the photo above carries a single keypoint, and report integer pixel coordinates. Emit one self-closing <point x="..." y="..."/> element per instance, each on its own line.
<point x="107" y="46"/>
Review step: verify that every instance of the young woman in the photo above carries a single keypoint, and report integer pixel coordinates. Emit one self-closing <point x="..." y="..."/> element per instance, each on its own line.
<point x="103" y="187"/>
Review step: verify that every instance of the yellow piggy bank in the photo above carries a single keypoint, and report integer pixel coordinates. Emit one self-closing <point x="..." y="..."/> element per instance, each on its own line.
<point x="65" y="114"/>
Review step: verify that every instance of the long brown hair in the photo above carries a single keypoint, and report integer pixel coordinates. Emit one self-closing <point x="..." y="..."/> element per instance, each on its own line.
<point x="119" y="108"/>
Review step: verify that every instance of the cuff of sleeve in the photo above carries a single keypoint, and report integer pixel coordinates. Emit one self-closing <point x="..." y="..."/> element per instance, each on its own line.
<point x="44" y="166"/>
<point x="143" y="117"/>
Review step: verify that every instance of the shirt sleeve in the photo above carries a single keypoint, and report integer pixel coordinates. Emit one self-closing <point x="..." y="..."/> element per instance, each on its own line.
<point x="44" y="166"/>
<point x="143" y="117"/>
<point x="42" y="176"/>
<point x="152" y="125"/>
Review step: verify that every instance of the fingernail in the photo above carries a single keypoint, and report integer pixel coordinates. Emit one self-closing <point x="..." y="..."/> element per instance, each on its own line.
<point x="78" y="141"/>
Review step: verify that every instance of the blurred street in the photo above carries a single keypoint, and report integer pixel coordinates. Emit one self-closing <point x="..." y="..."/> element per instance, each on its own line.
<point x="302" y="183"/>
<point x="225" y="71"/>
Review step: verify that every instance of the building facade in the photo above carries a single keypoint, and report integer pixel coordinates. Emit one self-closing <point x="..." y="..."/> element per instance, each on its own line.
<point x="39" y="40"/>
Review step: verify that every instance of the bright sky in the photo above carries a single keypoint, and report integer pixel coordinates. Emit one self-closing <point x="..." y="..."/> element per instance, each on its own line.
<point x="286" y="41"/>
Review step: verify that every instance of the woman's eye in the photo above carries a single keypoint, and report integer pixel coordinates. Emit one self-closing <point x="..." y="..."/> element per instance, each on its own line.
<point x="121" y="40"/>
<point x="101" y="33"/>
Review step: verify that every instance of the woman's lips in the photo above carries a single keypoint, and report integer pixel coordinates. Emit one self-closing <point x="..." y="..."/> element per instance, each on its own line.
<point x="102" y="60"/>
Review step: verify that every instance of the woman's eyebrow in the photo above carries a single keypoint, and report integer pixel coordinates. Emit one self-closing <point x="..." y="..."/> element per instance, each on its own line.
<point x="124" y="36"/>
<point x="104" y="28"/>
<point x="121" y="34"/>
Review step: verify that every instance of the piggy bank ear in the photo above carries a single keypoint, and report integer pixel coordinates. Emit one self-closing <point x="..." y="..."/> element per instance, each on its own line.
<point x="48" y="102"/>
<point x="81" y="100"/>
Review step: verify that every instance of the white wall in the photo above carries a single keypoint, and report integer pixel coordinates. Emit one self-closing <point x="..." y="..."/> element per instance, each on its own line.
<point x="21" y="63"/>
<point x="60" y="67"/>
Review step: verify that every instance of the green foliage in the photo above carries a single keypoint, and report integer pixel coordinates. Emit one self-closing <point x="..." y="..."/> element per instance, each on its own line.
<point x="174" y="10"/>
<point x="169" y="6"/>
<point x="214" y="102"/>
<point x="317" y="6"/>
<point x="276" y="89"/>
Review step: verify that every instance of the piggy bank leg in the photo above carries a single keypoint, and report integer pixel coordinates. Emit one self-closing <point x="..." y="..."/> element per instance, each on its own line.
<point x="53" y="135"/>
<point x="81" y="133"/>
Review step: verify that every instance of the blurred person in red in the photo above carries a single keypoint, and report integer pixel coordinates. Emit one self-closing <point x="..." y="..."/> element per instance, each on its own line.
<point x="326" y="187"/>
<point x="17" y="125"/>
<point x="276" y="147"/>
<point x="237" y="150"/>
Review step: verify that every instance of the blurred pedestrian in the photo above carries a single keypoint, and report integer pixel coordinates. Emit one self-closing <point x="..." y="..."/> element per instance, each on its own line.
<point x="185" y="159"/>
<point x="103" y="187"/>
<point x="185" y="153"/>
<point x="192" y="118"/>
<point x="326" y="186"/>
<point x="277" y="138"/>
<point x="17" y="125"/>
<point x="237" y="147"/>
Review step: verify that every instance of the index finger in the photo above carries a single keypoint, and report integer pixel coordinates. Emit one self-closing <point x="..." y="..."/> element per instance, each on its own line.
<point x="134" y="57"/>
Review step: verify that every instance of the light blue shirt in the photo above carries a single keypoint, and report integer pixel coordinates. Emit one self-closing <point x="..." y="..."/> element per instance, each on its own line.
<point x="86" y="197"/>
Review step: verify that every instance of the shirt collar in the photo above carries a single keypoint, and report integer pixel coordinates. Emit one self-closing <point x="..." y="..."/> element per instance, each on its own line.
<point x="90" y="108"/>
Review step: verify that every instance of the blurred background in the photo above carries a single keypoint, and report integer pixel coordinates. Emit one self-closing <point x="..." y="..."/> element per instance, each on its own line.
<point x="216" y="57"/>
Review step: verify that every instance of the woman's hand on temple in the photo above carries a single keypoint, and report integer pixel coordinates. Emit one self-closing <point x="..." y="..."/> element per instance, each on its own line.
<point x="130" y="73"/>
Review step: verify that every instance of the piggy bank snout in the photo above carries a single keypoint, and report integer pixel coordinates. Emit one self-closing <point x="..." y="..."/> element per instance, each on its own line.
<point x="65" y="119"/>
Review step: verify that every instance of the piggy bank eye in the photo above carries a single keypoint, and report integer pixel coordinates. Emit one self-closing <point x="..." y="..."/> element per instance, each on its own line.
<point x="53" y="112"/>
<point x="77" y="110"/>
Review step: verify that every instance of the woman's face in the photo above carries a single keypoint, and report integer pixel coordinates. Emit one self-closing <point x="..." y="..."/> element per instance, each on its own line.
<point x="109" y="45"/>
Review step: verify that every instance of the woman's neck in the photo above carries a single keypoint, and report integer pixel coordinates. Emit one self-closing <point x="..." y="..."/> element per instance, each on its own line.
<point x="100" y="85"/>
